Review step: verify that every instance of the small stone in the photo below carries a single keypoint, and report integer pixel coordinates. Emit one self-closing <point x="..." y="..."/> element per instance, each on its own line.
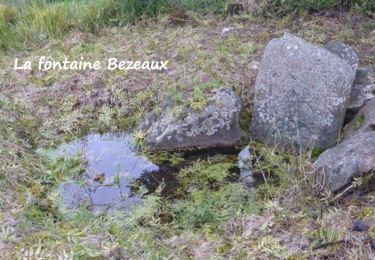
<point x="345" y="52"/>
<point x="227" y="30"/>
<point x="254" y="65"/>
<point x="362" y="225"/>
<point x="245" y="166"/>
<point x="304" y="247"/>
<point x="244" y="159"/>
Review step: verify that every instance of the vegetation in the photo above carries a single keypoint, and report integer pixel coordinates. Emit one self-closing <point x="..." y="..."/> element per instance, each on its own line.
<point x="285" y="6"/>
<point x="210" y="214"/>
<point x="25" y="23"/>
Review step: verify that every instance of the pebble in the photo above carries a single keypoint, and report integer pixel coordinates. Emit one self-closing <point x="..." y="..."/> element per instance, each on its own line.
<point x="362" y="225"/>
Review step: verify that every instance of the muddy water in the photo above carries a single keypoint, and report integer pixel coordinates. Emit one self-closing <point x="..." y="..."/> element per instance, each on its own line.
<point x="113" y="165"/>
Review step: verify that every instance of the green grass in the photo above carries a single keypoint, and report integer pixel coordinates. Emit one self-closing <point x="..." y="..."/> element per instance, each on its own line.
<point x="32" y="23"/>
<point x="29" y="23"/>
<point x="287" y="6"/>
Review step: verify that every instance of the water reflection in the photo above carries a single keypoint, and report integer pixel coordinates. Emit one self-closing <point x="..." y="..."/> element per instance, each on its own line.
<point x="112" y="166"/>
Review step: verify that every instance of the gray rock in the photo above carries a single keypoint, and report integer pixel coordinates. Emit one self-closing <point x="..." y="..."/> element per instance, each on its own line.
<point x="373" y="244"/>
<point x="365" y="76"/>
<point x="302" y="92"/>
<point x="362" y="91"/>
<point x="180" y="127"/>
<point x="337" y="166"/>
<point x="363" y="225"/>
<point x="148" y="121"/>
<point x="345" y="52"/>
<point x="245" y="166"/>
<point x="363" y="122"/>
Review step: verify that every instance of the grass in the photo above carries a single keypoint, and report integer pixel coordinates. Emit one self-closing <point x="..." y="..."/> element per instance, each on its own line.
<point x="210" y="216"/>
<point x="26" y="24"/>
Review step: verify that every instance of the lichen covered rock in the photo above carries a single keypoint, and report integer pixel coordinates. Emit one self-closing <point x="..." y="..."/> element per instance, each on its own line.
<point x="337" y="166"/>
<point x="345" y="52"/>
<point x="363" y="122"/>
<point x="362" y="91"/>
<point x="302" y="92"/>
<point x="180" y="127"/>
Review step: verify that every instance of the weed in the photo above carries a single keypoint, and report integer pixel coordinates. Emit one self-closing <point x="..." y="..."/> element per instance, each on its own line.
<point x="139" y="139"/>
<point x="173" y="158"/>
<point x="211" y="208"/>
<point x="272" y="246"/>
<point x="36" y="21"/>
<point x="323" y="235"/>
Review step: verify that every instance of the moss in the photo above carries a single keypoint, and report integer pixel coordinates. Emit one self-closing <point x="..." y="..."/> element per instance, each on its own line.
<point x="198" y="100"/>
<point x="359" y="122"/>
<point x="316" y="152"/>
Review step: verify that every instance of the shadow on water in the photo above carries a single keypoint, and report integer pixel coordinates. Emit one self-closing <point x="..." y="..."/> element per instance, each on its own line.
<point x="117" y="176"/>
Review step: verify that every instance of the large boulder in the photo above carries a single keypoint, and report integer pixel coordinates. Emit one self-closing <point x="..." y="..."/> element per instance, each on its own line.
<point x="337" y="166"/>
<point x="345" y="52"/>
<point x="362" y="91"/>
<point x="301" y="95"/>
<point x="363" y="122"/>
<point x="181" y="127"/>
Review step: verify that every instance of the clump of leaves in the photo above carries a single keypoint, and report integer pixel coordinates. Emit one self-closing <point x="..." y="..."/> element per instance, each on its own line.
<point x="139" y="139"/>
<point x="62" y="168"/>
<point x="272" y="246"/>
<point x="203" y="173"/>
<point x="198" y="101"/>
<point x="200" y="95"/>
<point x="210" y="198"/>
<point x="324" y="235"/>
<point x="204" y="206"/>
<point x="275" y="170"/>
